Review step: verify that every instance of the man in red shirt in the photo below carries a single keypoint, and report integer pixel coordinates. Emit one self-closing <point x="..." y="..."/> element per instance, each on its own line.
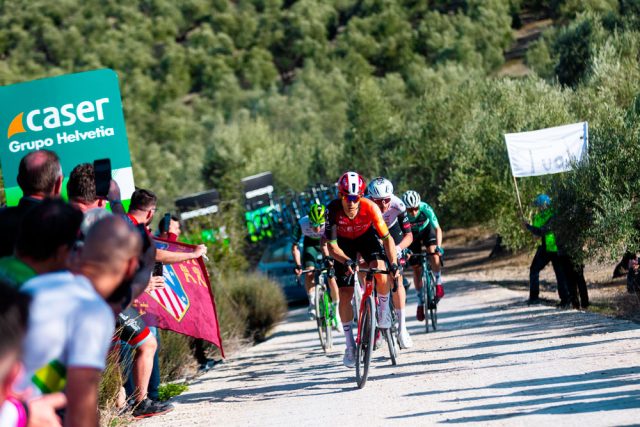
<point x="354" y="227"/>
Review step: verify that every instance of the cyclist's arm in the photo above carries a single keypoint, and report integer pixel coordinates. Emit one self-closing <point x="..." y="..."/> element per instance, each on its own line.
<point x="295" y="251"/>
<point x="407" y="235"/>
<point x="383" y="233"/>
<point x="438" y="236"/>
<point x="324" y="247"/>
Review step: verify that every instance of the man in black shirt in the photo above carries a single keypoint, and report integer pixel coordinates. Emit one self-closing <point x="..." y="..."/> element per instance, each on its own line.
<point x="39" y="176"/>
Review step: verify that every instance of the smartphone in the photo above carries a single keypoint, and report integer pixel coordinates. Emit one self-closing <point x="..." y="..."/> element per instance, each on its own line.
<point x="166" y="222"/>
<point x="157" y="269"/>
<point x="102" y="172"/>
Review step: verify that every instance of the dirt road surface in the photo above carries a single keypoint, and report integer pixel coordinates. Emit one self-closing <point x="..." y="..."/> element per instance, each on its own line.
<point x="493" y="361"/>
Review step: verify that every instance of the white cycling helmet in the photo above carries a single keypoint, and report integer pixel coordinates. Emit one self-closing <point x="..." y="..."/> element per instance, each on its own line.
<point x="411" y="199"/>
<point x="380" y="188"/>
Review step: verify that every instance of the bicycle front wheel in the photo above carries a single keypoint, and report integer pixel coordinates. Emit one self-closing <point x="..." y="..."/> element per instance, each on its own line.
<point x="320" y="315"/>
<point x="328" y="321"/>
<point x="365" y="346"/>
<point x="433" y="306"/>
<point x="426" y="285"/>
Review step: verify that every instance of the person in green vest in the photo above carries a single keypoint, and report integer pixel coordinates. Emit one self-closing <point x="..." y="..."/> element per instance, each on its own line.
<point x="547" y="252"/>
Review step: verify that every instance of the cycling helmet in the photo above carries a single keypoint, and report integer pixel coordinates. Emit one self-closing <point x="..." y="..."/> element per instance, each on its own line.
<point x="380" y="188"/>
<point x="316" y="214"/>
<point x="411" y="199"/>
<point x="542" y="200"/>
<point x="351" y="184"/>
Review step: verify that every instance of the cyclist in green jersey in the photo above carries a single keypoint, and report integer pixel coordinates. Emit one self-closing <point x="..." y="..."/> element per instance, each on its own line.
<point x="426" y="232"/>
<point x="312" y="228"/>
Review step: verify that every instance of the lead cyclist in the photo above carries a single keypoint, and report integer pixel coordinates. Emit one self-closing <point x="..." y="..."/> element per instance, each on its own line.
<point x="394" y="212"/>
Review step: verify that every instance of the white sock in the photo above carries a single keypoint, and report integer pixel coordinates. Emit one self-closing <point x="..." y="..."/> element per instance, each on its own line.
<point x="348" y="334"/>
<point x="401" y="318"/>
<point x="438" y="278"/>
<point x="312" y="298"/>
<point x="384" y="304"/>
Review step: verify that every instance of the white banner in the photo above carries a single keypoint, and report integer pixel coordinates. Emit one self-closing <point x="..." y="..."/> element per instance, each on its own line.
<point x="547" y="151"/>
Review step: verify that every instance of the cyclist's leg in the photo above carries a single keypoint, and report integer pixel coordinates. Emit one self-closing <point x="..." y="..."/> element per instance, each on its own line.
<point x="371" y="250"/>
<point x="309" y="261"/>
<point x="345" y="295"/>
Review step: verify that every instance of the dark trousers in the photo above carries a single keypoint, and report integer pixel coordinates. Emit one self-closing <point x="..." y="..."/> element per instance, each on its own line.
<point x="575" y="282"/>
<point x="540" y="261"/>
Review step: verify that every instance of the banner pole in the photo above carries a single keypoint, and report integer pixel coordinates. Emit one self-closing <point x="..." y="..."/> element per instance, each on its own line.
<point x="515" y="183"/>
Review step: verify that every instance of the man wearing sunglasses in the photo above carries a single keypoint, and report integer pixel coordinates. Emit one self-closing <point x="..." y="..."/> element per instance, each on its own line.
<point x="312" y="228"/>
<point x="355" y="226"/>
<point x="394" y="212"/>
<point x="426" y="231"/>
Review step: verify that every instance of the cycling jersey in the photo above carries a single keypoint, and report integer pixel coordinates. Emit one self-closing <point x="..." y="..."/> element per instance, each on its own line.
<point x="311" y="237"/>
<point x="340" y="225"/>
<point x="424" y="218"/>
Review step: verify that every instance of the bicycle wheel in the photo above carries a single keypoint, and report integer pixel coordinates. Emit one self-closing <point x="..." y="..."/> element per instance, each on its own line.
<point x="426" y="298"/>
<point x="393" y="350"/>
<point x="364" y="348"/>
<point x="433" y="306"/>
<point x="328" y="321"/>
<point x="320" y="315"/>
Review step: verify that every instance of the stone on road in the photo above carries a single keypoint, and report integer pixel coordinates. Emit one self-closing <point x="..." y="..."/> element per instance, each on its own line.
<point x="493" y="361"/>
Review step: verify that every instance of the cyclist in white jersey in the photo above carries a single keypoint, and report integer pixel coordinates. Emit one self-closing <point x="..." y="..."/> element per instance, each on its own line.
<point x="394" y="212"/>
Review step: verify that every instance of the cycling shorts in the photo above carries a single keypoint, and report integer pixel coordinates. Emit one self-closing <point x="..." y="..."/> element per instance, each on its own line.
<point x="367" y="245"/>
<point x="131" y="329"/>
<point x="310" y="256"/>
<point x="427" y="237"/>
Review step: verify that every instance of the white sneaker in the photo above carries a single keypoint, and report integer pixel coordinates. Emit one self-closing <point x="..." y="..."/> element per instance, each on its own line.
<point x="405" y="339"/>
<point x="312" y="312"/>
<point x="378" y="340"/>
<point x="349" y="359"/>
<point x="384" y="319"/>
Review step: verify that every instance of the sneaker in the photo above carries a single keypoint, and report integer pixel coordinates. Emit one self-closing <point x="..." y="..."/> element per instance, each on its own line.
<point x="208" y="365"/>
<point x="439" y="291"/>
<point x="404" y="339"/>
<point x="349" y="359"/>
<point x="384" y="319"/>
<point x="149" y="408"/>
<point x="312" y="312"/>
<point x="420" y="313"/>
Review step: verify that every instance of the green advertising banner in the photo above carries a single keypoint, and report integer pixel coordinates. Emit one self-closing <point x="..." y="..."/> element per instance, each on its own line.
<point x="78" y="116"/>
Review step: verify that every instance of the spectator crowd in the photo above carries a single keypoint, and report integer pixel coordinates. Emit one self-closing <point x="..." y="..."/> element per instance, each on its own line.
<point x="68" y="275"/>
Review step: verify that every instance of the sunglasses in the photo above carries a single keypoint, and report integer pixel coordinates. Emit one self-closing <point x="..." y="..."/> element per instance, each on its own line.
<point x="351" y="198"/>
<point x="382" y="201"/>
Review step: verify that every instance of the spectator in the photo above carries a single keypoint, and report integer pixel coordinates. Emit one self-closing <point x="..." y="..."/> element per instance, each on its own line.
<point x="44" y="239"/>
<point x="81" y="190"/>
<point x="39" y="176"/>
<point x="169" y="231"/>
<point x="141" y="211"/>
<point x="71" y="324"/>
<point x="546" y="252"/>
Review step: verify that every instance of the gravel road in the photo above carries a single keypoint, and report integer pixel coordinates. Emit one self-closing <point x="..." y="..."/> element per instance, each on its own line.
<point x="493" y="361"/>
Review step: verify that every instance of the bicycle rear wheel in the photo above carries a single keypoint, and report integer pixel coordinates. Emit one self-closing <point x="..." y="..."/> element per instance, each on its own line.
<point x="365" y="347"/>
<point x="320" y="315"/>
<point x="393" y="350"/>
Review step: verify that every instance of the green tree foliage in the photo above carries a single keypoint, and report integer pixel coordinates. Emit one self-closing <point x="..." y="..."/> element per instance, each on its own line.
<point x="215" y="90"/>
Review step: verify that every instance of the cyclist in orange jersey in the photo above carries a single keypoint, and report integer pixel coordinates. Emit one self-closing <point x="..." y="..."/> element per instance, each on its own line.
<point x="354" y="226"/>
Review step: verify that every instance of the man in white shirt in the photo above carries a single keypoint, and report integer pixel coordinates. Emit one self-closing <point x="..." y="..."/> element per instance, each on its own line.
<point x="70" y="322"/>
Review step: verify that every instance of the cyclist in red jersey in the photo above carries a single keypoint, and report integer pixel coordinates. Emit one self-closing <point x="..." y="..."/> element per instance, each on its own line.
<point x="354" y="226"/>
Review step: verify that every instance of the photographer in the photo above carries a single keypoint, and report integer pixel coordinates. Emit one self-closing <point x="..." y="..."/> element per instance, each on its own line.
<point x="81" y="190"/>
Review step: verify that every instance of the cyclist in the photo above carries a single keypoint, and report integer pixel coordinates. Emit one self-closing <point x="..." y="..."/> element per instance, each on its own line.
<point x="426" y="231"/>
<point x="354" y="226"/>
<point x="312" y="228"/>
<point x="394" y="212"/>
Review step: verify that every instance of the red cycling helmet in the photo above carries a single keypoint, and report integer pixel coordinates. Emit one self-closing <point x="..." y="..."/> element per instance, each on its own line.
<point x="351" y="184"/>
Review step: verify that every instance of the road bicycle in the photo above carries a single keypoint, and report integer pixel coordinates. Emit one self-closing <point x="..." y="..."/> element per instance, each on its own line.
<point x="367" y="324"/>
<point x="429" y="289"/>
<point x="325" y="317"/>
